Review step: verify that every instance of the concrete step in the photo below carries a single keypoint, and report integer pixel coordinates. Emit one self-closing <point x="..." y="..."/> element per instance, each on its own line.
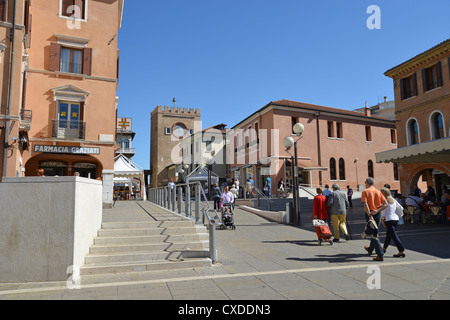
<point x="149" y="239"/>
<point x="145" y="231"/>
<point x="102" y="259"/>
<point x="152" y="247"/>
<point x="145" y="266"/>
<point x="169" y="242"/>
<point x="148" y="224"/>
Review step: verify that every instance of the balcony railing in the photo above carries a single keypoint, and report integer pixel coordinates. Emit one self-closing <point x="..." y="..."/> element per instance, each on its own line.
<point x="69" y="130"/>
<point x="126" y="150"/>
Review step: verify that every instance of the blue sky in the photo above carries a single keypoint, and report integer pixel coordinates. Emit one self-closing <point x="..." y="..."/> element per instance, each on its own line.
<point x="230" y="58"/>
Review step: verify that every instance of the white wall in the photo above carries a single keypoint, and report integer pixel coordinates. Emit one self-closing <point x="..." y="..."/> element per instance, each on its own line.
<point x="47" y="224"/>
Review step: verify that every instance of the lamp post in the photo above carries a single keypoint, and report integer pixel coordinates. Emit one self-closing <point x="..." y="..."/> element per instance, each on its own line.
<point x="209" y="161"/>
<point x="356" y="165"/>
<point x="289" y="142"/>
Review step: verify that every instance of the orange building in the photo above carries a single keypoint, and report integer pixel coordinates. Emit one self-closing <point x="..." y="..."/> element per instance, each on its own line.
<point x="71" y="82"/>
<point x="15" y="116"/>
<point x="422" y="109"/>
<point x="337" y="146"/>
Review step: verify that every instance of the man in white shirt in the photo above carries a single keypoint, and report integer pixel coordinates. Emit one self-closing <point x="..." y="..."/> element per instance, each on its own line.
<point x="415" y="202"/>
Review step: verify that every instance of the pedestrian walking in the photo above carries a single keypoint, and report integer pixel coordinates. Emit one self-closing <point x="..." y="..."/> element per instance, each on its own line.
<point x="390" y="218"/>
<point x="248" y="189"/>
<point x="227" y="196"/>
<point x="236" y="183"/>
<point x="349" y="196"/>
<point x="326" y="191"/>
<point x="281" y="188"/>
<point x="320" y="209"/>
<point x="374" y="202"/>
<point x="268" y="187"/>
<point x="215" y="195"/>
<point x="337" y="208"/>
<point x="235" y="193"/>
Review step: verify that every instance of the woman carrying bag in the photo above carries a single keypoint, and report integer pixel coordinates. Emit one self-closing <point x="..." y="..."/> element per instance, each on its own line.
<point x="390" y="218"/>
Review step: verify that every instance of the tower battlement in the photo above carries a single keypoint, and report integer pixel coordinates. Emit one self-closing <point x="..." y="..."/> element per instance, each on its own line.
<point x="176" y="110"/>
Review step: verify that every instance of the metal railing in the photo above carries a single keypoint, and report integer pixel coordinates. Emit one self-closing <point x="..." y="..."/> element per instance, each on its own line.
<point x="70" y="130"/>
<point x="261" y="195"/>
<point x="189" y="199"/>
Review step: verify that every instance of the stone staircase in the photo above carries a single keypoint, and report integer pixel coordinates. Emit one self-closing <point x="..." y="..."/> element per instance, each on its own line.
<point x="167" y="241"/>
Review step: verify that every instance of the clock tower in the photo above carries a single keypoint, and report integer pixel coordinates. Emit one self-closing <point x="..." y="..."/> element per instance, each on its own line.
<point x="169" y="126"/>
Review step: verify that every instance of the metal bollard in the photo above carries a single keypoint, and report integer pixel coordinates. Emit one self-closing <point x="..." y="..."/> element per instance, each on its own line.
<point x="174" y="197"/>
<point x="187" y="203"/>
<point x="212" y="242"/>
<point x="169" y="199"/>
<point x="197" y="204"/>
<point x="180" y="199"/>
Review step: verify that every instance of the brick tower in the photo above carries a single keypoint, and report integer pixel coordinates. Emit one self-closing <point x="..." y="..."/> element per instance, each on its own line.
<point x="169" y="125"/>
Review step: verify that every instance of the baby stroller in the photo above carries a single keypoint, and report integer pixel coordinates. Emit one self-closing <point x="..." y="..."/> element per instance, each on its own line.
<point x="227" y="216"/>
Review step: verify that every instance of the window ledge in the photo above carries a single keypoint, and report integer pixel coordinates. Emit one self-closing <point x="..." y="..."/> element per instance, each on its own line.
<point x="410" y="98"/>
<point x="431" y="90"/>
<point x="69" y="74"/>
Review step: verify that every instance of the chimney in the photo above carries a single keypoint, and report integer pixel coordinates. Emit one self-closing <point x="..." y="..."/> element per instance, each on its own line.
<point x="385" y="99"/>
<point x="367" y="112"/>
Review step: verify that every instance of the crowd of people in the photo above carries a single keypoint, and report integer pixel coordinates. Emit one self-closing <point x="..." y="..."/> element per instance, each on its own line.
<point x="381" y="209"/>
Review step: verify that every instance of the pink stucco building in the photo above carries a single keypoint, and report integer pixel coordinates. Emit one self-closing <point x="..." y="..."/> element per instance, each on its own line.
<point x="337" y="146"/>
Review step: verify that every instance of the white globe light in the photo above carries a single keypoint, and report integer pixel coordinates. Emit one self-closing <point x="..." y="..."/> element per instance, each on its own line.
<point x="288" y="142"/>
<point x="298" y="128"/>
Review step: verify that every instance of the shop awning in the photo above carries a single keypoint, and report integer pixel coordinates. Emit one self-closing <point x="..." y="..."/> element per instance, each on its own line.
<point x="310" y="165"/>
<point x="431" y="151"/>
<point x="125" y="169"/>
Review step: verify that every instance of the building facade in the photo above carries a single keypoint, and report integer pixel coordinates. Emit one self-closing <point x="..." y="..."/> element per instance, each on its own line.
<point x="169" y="126"/>
<point x="71" y="84"/>
<point x="337" y="146"/>
<point x="206" y="148"/>
<point x="15" y="115"/>
<point x="124" y="137"/>
<point x="422" y="109"/>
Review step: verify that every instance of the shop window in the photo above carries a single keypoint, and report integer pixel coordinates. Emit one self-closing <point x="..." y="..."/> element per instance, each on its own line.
<point x="54" y="168"/>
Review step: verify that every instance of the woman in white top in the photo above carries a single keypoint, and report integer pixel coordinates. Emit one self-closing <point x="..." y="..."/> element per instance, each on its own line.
<point x="390" y="220"/>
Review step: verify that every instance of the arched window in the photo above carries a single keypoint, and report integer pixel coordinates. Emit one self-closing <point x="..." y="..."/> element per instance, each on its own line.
<point x="437" y="126"/>
<point x="332" y="169"/>
<point x="370" y="169"/>
<point x="413" y="132"/>
<point x="341" y="169"/>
